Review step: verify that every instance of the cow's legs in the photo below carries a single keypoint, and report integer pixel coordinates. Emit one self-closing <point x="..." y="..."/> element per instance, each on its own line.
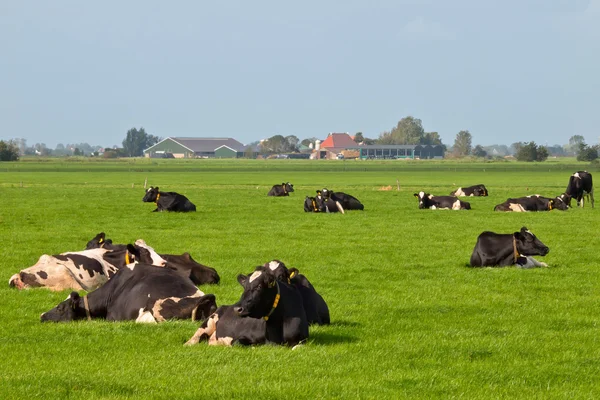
<point x="206" y="330"/>
<point x="532" y="263"/>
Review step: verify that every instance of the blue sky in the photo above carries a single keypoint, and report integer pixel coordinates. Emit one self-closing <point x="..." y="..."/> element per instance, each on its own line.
<point x="75" y="71"/>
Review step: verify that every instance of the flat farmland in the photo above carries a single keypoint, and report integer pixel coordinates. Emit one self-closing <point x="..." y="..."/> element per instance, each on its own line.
<point x="409" y="318"/>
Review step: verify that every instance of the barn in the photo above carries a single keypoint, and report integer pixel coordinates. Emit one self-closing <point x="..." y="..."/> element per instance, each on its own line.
<point x="185" y="147"/>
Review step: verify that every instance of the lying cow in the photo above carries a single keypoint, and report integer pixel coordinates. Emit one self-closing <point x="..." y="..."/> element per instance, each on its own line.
<point x="495" y="249"/>
<point x="281" y="190"/>
<point x="580" y="185"/>
<point x="432" y="202"/>
<point x="82" y="270"/>
<point x="347" y="201"/>
<point x="475" y="190"/>
<point x="327" y="205"/>
<point x="199" y="274"/>
<point x="269" y="311"/>
<point x="140" y="292"/>
<point x="533" y="203"/>
<point x="310" y="204"/>
<point x="168" y="201"/>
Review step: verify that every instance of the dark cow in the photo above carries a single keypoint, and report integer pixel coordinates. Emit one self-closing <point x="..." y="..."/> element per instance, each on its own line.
<point x="475" y="190"/>
<point x="430" y="201"/>
<point x="496" y="249"/>
<point x="533" y="203"/>
<point x="580" y="185"/>
<point x="199" y="274"/>
<point x="269" y="311"/>
<point x="327" y="205"/>
<point x="140" y="292"/>
<point x="310" y="204"/>
<point x="83" y="270"/>
<point x="168" y="201"/>
<point x="347" y="201"/>
<point x="281" y="190"/>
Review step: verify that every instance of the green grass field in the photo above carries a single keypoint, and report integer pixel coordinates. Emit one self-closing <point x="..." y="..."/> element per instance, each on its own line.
<point x="409" y="319"/>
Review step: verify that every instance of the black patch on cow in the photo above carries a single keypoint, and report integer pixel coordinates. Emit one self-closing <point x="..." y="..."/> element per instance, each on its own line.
<point x="183" y="308"/>
<point x="30" y="279"/>
<point x="42" y="275"/>
<point x="89" y="265"/>
<point x="80" y="276"/>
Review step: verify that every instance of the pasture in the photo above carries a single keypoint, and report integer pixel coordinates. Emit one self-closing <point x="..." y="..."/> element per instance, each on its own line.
<point x="409" y="319"/>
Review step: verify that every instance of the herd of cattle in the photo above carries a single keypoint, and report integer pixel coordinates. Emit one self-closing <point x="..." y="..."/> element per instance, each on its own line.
<point x="134" y="282"/>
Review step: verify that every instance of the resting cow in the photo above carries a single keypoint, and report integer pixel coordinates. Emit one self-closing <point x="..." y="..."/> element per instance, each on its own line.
<point x="495" y="249"/>
<point x="199" y="274"/>
<point x="269" y="311"/>
<point x="281" y="190"/>
<point x="82" y="270"/>
<point x="327" y="205"/>
<point x="168" y="201"/>
<point x="140" y="292"/>
<point x="347" y="201"/>
<point x="432" y="202"/>
<point x="475" y="190"/>
<point x="533" y="203"/>
<point x="580" y="185"/>
<point x="310" y="204"/>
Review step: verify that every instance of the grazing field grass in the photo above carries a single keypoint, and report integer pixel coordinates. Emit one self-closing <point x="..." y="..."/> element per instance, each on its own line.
<point x="409" y="319"/>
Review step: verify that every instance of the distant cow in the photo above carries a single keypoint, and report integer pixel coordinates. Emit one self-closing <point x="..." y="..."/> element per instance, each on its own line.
<point x="199" y="274"/>
<point x="347" y="201"/>
<point x="168" y="201"/>
<point x="533" y="203"/>
<point x="281" y="190"/>
<point x="430" y="201"/>
<point x="140" y="292"/>
<point x="82" y="270"/>
<point x="580" y="185"/>
<point x="310" y="204"/>
<point x="327" y="205"/>
<point x="495" y="249"/>
<point x="476" y="190"/>
<point x="269" y="311"/>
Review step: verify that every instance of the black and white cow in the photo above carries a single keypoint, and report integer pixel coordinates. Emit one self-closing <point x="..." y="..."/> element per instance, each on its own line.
<point x="327" y="205"/>
<point x="310" y="204"/>
<point x="475" y="190"/>
<point x="347" y="201"/>
<point x="199" y="274"/>
<point x="168" y="201"/>
<point x="497" y="249"/>
<point x="82" y="270"/>
<point x="432" y="202"/>
<point x="533" y="203"/>
<point x="281" y="190"/>
<point x="580" y="185"/>
<point x="269" y="311"/>
<point x="140" y="292"/>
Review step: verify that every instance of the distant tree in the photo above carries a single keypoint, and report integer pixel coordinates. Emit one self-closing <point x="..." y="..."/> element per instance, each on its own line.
<point x="358" y="137"/>
<point x="557" y="150"/>
<point x="308" y="141"/>
<point x="432" y="138"/>
<point x="9" y="150"/>
<point x="587" y="153"/>
<point x="77" y="152"/>
<point x="531" y="152"/>
<point x="291" y="144"/>
<point x="408" y="131"/>
<point x="515" y="147"/>
<point x="478" y="151"/>
<point x="462" y="143"/>
<point x="136" y="141"/>
<point x="574" y="142"/>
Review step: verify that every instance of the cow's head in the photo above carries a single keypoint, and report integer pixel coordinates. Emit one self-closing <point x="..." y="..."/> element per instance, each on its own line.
<point x="156" y="259"/>
<point x="278" y="269"/>
<point x="287" y="187"/>
<point x="528" y="244"/>
<point x="99" y="241"/>
<point x="562" y="202"/>
<point x="326" y="204"/>
<point x="260" y="291"/>
<point x="310" y="204"/>
<point x="423" y="199"/>
<point x="479" y="191"/>
<point x="69" y="310"/>
<point x="326" y="193"/>
<point x="151" y="195"/>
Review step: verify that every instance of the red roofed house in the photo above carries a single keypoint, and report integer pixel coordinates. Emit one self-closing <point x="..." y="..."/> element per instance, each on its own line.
<point x="336" y="143"/>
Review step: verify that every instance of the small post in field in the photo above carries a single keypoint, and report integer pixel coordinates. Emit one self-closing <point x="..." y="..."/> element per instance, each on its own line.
<point x="145" y="182"/>
<point x="398" y="184"/>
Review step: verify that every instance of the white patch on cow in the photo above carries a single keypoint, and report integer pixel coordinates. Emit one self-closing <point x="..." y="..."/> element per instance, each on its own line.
<point x="145" y="317"/>
<point x="157" y="308"/>
<point x="532" y="263"/>
<point x="456" y="205"/>
<point x="516" y="207"/>
<point x="273" y="265"/>
<point x="131" y="266"/>
<point x="459" y="192"/>
<point x="339" y="207"/>
<point x="210" y="331"/>
<point x="255" y="275"/>
<point x="433" y="207"/>
<point x="576" y="175"/>
<point x="149" y="189"/>
<point x="68" y="297"/>
<point x="421" y="195"/>
<point x="156" y="259"/>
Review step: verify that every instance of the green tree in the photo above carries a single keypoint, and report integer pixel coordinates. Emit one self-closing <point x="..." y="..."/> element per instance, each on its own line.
<point x="432" y="138"/>
<point x="587" y="153"/>
<point x="136" y="141"/>
<point x="408" y="131"/>
<point x="462" y="143"/>
<point x="531" y="152"/>
<point x="478" y="151"/>
<point x="9" y="150"/>
<point x="574" y="142"/>
<point x="359" y="137"/>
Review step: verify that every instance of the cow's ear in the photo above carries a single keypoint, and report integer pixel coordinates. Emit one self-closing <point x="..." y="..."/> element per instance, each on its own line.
<point x="415" y="194"/>
<point x="270" y="278"/>
<point x="242" y="279"/>
<point x="293" y="272"/>
<point x="134" y="251"/>
<point x="318" y="192"/>
<point x="74" y="299"/>
<point x="156" y="188"/>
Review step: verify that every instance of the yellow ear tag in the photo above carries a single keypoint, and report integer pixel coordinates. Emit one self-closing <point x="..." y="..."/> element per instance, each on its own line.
<point x="293" y="274"/>
<point x="127" y="258"/>
<point x="101" y="240"/>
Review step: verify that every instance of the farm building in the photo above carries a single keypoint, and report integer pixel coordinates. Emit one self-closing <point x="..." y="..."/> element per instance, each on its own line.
<point x="334" y="144"/>
<point x="421" y="151"/>
<point x="180" y="147"/>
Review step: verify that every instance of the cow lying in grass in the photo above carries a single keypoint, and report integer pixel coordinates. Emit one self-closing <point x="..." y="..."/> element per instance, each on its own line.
<point x="475" y="190"/>
<point x="199" y="274"/>
<point x="533" y="203"/>
<point x="347" y="201"/>
<point x="82" y="270"/>
<point x="281" y="190"/>
<point x="432" y="202"/>
<point x="168" y="201"/>
<point x="495" y="249"/>
<point x="140" y="292"/>
<point x="269" y="311"/>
